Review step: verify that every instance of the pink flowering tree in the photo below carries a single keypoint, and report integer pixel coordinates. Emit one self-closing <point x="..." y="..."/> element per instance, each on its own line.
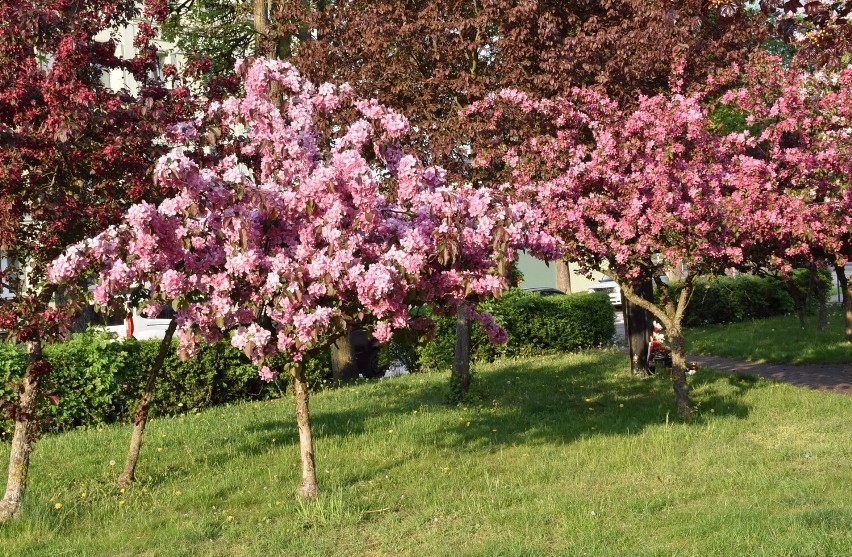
<point x="803" y="125"/>
<point x="633" y="192"/>
<point x="283" y="237"/>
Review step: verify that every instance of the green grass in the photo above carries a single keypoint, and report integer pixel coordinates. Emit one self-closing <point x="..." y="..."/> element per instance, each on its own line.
<point x="564" y="455"/>
<point x="776" y="339"/>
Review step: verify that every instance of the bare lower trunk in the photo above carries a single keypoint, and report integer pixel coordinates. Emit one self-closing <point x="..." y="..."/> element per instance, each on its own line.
<point x="308" y="488"/>
<point x="681" y="387"/>
<point x="822" y="320"/>
<point x="140" y="417"/>
<point x="343" y="364"/>
<point x="848" y="307"/>
<point x="563" y="276"/>
<point x="842" y="282"/>
<point x="638" y="325"/>
<point x="22" y="440"/>
<point x="461" y="355"/>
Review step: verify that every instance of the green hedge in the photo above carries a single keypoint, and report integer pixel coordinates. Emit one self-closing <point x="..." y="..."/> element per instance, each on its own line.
<point x="733" y="299"/>
<point x="535" y="324"/>
<point x="98" y="380"/>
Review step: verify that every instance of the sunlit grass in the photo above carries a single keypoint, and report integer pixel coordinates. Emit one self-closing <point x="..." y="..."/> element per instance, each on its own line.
<point x="776" y="339"/>
<point x="563" y="455"/>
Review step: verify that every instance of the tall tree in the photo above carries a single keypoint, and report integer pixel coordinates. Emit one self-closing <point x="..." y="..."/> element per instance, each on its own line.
<point x="287" y="237"/>
<point x="73" y="155"/>
<point x="637" y="190"/>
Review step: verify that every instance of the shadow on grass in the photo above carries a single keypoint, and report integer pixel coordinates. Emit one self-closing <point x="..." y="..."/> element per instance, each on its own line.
<point x="532" y="401"/>
<point x="551" y="402"/>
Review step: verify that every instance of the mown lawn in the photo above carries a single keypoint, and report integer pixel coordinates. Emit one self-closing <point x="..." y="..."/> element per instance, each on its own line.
<point x="564" y="455"/>
<point x="776" y="339"/>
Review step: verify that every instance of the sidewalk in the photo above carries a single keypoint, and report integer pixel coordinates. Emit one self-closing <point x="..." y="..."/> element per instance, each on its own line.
<point x="823" y="377"/>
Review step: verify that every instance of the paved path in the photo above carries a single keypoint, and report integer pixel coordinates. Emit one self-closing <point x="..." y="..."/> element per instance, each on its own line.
<point x="823" y="377"/>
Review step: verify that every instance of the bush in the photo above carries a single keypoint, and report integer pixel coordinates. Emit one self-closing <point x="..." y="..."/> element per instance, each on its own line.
<point x="98" y="380"/>
<point x="733" y="299"/>
<point x="535" y="324"/>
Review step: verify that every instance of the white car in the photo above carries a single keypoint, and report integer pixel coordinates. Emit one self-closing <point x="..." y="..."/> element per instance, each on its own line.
<point x="610" y="287"/>
<point x="144" y="328"/>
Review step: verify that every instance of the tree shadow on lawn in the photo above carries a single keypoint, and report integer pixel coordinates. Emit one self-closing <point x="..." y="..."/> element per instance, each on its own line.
<point x="533" y="401"/>
<point x="537" y="401"/>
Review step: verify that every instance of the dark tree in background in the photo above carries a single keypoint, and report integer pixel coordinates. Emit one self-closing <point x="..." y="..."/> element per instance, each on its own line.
<point x="73" y="155"/>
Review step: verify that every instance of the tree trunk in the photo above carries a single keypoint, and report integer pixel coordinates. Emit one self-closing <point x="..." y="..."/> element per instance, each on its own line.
<point x="344" y="367"/>
<point x="563" y="276"/>
<point x="846" y="297"/>
<point x="639" y="325"/>
<point x="22" y="440"/>
<point x="848" y="306"/>
<point x="681" y="387"/>
<point x="140" y="417"/>
<point x="842" y="282"/>
<point x="308" y="488"/>
<point x="460" y="379"/>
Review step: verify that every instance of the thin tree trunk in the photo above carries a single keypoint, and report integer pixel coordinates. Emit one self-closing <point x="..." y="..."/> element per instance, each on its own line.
<point x="344" y="367"/>
<point x="681" y="387"/>
<point x="639" y="325"/>
<point x="308" y="488"/>
<point x="461" y="355"/>
<point x="22" y="440"/>
<point x="563" y="276"/>
<point x="842" y="282"/>
<point x="140" y="417"/>
<point x="848" y="306"/>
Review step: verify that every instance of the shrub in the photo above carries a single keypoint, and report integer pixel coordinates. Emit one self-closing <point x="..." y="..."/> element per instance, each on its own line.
<point x="732" y="299"/>
<point x="98" y="380"/>
<point x="535" y="324"/>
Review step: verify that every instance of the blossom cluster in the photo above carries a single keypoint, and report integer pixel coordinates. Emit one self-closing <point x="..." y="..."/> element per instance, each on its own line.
<point x="299" y="226"/>
<point x="754" y="178"/>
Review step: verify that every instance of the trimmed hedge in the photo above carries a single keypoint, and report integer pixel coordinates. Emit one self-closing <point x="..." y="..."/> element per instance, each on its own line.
<point x="732" y="299"/>
<point x="536" y="325"/>
<point x="98" y="380"/>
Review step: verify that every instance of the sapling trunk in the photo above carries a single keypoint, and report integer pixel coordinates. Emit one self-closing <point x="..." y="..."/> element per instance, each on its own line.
<point x="822" y="320"/>
<point x="140" y="417"/>
<point x="681" y="387"/>
<point x="461" y="354"/>
<point x="22" y="440"/>
<point x="308" y="488"/>
<point x="848" y="307"/>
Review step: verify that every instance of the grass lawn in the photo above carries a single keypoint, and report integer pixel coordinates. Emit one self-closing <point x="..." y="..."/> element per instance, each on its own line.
<point x="565" y="455"/>
<point x="776" y="339"/>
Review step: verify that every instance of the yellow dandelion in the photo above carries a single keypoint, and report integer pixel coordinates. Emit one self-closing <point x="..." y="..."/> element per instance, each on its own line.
<point x="57" y="506"/>
<point x="84" y="494"/>
<point x="712" y="410"/>
<point x="121" y="490"/>
<point x="621" y="406"/>
<point x="159" y="449"/>
<point x="120" y="502"/>
<point x="177" y="492"/>
<point x="390" y="431"/>
<point x="277" y="503"/>
<point x="494" y="431"/>
<point x="230" y="518"/>
<point x="467" y="424"/>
